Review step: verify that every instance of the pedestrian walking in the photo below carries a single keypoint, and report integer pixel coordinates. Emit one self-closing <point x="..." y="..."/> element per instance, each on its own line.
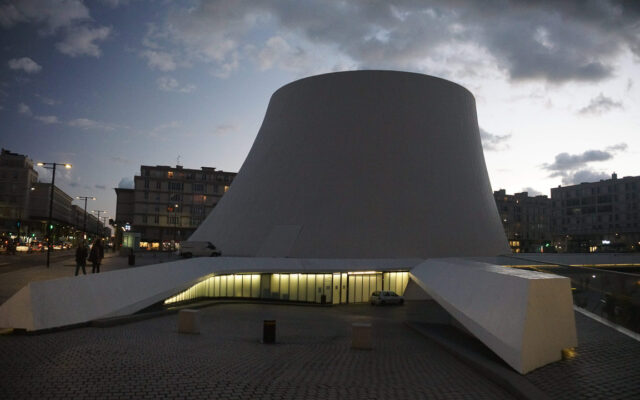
<point x="81" y="258"/>
<point x="95" y="255"/>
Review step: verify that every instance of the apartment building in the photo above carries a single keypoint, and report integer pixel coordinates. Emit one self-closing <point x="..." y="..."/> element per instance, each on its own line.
<point x="167" y="203"/>
<point x="597" y="216"/>
<point x="526" y="221"/>
<point x="17" y="177"/>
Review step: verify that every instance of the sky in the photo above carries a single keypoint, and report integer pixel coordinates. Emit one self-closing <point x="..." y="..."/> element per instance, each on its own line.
<point x="109" y="85"/>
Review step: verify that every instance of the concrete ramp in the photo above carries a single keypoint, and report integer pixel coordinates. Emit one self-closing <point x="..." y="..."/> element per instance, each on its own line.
<point x="525" y="317"/>
<point x="73" y="300"/>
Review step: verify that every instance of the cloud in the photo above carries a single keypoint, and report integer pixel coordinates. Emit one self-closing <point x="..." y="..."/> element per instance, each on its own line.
<point x="47" y="100"/>
<point x="566" y="161"/>
<point x="584" y="175"/>
<point x="81" y="40"/>
<point x="531" y="191"/>
<point x="47" y="119"/>
<point x="159" y="60"/>
<point x="101" y="187"/>
<point x="115" y="3"/>
<point x="120" y="160"/>
<point x="554" y="42"/>
<point x="491" y="142"/>
<point x="25" y="64"/>
<point x="85" y="123"/>
<point x="157" y="131"/>
<point x="574" y="168"/>
<point x="169" y="84"/>
<point x="24" y="109"/>
<point x="600" y="104"/>
<point x="126" y="183"/>
<point x="53" y="14"/>
<point x="224" y="129"/>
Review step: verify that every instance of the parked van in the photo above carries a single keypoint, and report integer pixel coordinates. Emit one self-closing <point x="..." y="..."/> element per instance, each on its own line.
<point x="198" y="249"/>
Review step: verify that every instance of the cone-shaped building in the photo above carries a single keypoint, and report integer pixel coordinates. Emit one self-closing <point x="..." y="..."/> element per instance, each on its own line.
<point x="368" y="164"/>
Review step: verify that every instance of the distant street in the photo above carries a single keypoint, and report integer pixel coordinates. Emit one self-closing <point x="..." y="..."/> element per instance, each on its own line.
<point x="10" y="263"/>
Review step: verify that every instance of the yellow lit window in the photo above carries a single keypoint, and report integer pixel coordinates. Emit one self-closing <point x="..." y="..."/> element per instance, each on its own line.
<point x="170" y="174"/>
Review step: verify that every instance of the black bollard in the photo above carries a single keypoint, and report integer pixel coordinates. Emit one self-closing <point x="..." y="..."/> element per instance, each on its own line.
<point x="269" y="331"/>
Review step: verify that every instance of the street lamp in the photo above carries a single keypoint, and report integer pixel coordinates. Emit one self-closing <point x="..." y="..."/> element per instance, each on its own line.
<point x="51" y="166"/>
<point x="98" y="223"/>
<point x="85" y="198"/>
<point x="104" y="222"/>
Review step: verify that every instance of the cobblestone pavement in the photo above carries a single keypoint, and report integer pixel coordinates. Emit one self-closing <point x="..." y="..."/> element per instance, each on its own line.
<point x="607" y="366"/>
<point x="312" y="359"/>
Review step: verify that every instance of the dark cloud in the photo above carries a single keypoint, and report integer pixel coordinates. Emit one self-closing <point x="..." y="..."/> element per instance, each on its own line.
<point x="491" y="142"/>
<point x="566" y="161"/>
<point x="532" y="192"/>
<point x="584" y="175"/>
<point x="574" y="168"/>
<point x="126" y="183"/>
<point x="600" y="104"/>
<point x="555" y="41"/>
<point x="101" y="187"/>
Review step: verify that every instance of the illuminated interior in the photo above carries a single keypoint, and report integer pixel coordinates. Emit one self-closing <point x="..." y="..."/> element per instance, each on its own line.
<point x="336" y="288"/>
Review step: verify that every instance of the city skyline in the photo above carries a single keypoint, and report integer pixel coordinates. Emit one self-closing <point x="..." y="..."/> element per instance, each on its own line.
<point x="112" y="85"/>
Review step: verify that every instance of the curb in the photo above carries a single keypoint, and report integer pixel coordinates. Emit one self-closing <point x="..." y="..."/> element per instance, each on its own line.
<point x="501" y="375"/>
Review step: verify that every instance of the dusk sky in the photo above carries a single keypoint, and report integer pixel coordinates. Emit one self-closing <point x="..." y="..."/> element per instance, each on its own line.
<point x="110" y="85"/>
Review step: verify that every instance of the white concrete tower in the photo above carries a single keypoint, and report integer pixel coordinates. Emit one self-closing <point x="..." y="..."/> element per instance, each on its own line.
<point x="363" y="164"/>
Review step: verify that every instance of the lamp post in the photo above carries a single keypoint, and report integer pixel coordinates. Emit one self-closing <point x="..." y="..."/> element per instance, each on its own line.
<point x="98" y="223"/>
<point x="85" y="198"/>
<point x="104" y="222"/>
<point x="51" y="166"/>
<point x="175" y="221"/>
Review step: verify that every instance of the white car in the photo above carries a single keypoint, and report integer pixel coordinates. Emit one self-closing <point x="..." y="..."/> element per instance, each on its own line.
<point x="386" y="297"/>
<point x="23" y="248"/>
<point x="198" y="249"/>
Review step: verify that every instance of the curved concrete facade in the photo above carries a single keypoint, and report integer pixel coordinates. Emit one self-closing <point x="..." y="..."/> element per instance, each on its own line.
<point x="364" y="164"/>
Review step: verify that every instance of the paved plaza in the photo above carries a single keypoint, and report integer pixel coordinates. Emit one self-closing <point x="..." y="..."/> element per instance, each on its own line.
<point x="312" y="358"/>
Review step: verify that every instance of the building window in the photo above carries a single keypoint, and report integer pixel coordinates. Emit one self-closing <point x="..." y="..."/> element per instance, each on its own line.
<point x="146" y="195"/>
<point x="198" y="187"/>
<point x="144" y="219"/>
<point x="174" y="220"/>
<point x="175" y="197"/>
<point x="176" y="186"/>
<point x="156" y="219"/>
<point x="197" y="210"/>
<point x="158" y="185"/>
<point x="170" y="174"/>
<point x="146" y="183"/>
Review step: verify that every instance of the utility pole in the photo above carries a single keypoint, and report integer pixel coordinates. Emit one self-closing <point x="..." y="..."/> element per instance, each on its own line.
<point x="98" y="224"/>
<point x="53" y="181"/>
<point x="84" y="227"/>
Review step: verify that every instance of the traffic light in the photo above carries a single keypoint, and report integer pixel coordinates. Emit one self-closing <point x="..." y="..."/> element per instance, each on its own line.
<point x="18" y="224"/>
<point x="50" y="227"/>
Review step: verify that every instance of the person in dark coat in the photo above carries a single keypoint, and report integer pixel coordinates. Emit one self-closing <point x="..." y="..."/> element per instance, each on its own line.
<point x="96" y="255"/>
<point x="81" y="258"/>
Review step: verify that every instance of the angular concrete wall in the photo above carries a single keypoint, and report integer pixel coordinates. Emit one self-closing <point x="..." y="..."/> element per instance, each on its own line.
<point x="74" y="300"/>
<point x="525" y="317"/>
<point x="362" y="164"/>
